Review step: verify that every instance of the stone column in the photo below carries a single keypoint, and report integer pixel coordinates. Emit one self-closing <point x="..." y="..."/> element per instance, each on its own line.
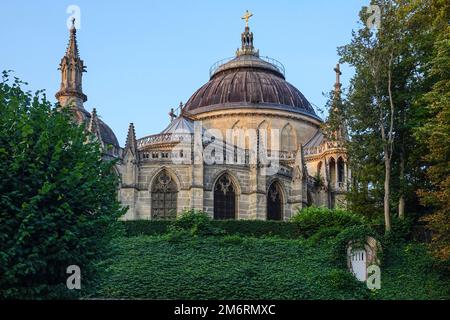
<point x="336" y="175"/>
<point x="197" y="185"/>
<point x="345" y="176"/>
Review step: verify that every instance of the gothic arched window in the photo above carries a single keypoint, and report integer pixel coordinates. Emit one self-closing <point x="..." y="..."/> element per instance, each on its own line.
<point x="164" y="197"/>
<point x="224" y="199"/>
<point x="274" y="202"/>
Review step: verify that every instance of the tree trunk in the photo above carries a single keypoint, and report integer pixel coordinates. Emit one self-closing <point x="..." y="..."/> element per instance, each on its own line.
<point x="401" y="200"/>
<point x="387" y="184"/>
<point x="388" y="149"/>
<point x="401" y="207"/>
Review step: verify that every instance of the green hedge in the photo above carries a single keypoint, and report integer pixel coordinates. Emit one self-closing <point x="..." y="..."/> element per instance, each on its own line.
<point x="255" y="228"/>
<point x="146" y="227"/>
<point x="259" y="228"/>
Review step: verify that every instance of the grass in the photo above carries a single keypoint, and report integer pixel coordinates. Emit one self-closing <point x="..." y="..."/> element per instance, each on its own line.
<point x="233" y="267"/>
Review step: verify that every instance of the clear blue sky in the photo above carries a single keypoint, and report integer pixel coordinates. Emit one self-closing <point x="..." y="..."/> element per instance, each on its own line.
<point x="144" y="57"/>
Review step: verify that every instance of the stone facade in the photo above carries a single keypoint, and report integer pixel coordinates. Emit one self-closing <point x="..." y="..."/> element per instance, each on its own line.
<point x="246" y="145"/>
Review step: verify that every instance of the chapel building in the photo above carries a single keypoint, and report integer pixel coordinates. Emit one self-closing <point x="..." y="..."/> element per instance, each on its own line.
<point x="246" y="145"/>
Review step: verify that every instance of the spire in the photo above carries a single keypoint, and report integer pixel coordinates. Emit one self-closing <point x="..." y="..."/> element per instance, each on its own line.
<point x="335" y="115"/>
<point x="337" y="85"/>
<point x="72" y="68"/>
<point x="72" y="48"/>
<point x="93" y="123"/>
<point x="131" y="142"/>
<point x="94" y="126"/>
<point x="247" y="47"/>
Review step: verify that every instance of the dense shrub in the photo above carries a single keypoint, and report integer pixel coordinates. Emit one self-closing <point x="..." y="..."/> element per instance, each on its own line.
<point x="146" y="227"/>
<point x="401" y="228"/>
<point x="233" y="267"/>
<point x="324" y="234"/>
<point x="253" y="228"/>
<point x="357" y="234"/>
<point x="58" y="200"/>
<point x="196" y="222"/>
<point x="343" y="280"/>
<point x="312" y="219"/>
<point x="259" y="228"/>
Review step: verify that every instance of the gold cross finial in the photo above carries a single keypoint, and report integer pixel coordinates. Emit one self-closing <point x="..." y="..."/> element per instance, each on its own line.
<point x="246" y="17"/>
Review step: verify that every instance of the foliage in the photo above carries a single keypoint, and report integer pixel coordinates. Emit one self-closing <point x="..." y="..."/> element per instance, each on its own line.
<point x="439" y="223"/>
<point x="408" y="272"/>
<point x="311" y="220"/>
<point x="58" y="201"/>
<point x="324" y="234"/>
<point x="253" y="228"/>
<point x="357" y="234"/>
<point x="146" y="227"/>
<point x="195" y="222"/>
<point x="401" y="230"/>
<point x="148" y="267"/>
<point x="420" y="94"/>
<point x="318" y="180"/>
<point x="260" y="228"/>
<point x="435" y="134"/>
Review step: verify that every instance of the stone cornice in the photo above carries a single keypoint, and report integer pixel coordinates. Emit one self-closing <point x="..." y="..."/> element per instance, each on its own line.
<point x="251" y="112"/>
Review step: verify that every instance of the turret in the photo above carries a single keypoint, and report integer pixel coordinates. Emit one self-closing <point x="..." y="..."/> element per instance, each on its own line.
<point x="72" y="67"/>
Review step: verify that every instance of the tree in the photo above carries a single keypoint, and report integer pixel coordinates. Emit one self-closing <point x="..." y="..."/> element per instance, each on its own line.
<point x="434" y="133"/>
<point x="58" y="199"/>
<point x="371" y="102"/>
<point x="391" y="76"/>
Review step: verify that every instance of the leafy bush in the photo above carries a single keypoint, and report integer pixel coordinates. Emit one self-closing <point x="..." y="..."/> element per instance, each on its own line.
<point x="196" y="222"/>
<point x="323" y="234"/>
<point x="312" y="219"/>
<point x="149" y="267"/>
<point x="357" y="234"/>
<point x="401" y="228"/>
<point x="58" y="203"/>
<point x="342" y="279"/>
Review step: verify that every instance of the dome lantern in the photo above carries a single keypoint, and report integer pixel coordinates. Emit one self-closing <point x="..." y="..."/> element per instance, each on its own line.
<point x="247" y="47"/>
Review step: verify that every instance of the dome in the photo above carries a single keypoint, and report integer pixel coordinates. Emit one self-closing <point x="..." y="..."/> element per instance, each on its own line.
<point x="108" y="135"/>
<point x="248" y="80"/>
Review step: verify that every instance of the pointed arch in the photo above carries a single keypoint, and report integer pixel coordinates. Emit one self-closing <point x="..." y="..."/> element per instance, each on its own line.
<point x="275" y="201"/>
<point x="225" y="197"/>
<point x="169" y="171"/>
<point x="263" y="135"/>
<point x="288" y="138"/>
<point x="233" y="177"/>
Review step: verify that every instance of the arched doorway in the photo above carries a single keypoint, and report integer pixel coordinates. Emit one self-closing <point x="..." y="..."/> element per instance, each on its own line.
<point x="164" y="194"/>
<point x="274" y="202"/>
<point x="224" y="199"/>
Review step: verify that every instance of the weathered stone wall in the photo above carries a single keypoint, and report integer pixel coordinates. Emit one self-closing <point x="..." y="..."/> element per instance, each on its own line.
<point x="251" y="190"/>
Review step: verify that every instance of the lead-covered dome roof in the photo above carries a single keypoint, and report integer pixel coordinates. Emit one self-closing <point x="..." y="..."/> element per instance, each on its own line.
<point x="248" y="80"/>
